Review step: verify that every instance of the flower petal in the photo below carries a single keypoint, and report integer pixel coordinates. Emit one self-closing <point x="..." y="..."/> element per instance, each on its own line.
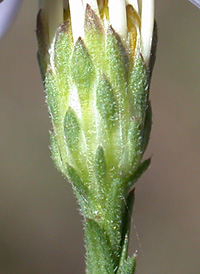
<point x="77" y="18"/>
<point x="196" y="3"/>
<point x="8" y="11"/>
<point x="147" y="24"/>
<point x="117" y="14"/>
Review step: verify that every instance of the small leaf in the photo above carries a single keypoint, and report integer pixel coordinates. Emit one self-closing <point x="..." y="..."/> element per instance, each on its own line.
<point x="81" y="191"/>
<point x="52" y="97"/>
<point x="118" y="62"/>
<point x="105" y="101"/>
<point x="138" y="173"/>
<point x="56" y="152"/>
<point x="94" y="38"/>
<point x="147" y="128"/>
<point x="42" y="37"/>
<point x="135" y="141"/>
<point x="92" y="21"/>
<point x="126" y="224"/>
<point x="82" y="70"/>
<point x="138" y="87"/>
<point x="153" y="50"/>
<point x="71" y="129"/>
<point x="128" y="266"/>
<point x="63" y="45"/>
<point x="100" y="166"/>
<point x="114" y="208"/>
<point x="99" y="253"/>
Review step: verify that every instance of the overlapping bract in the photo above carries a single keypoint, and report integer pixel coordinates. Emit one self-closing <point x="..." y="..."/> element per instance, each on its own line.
<point x="97" y="94"/>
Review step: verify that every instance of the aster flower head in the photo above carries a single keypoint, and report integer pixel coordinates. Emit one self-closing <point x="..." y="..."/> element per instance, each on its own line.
<point x="98" y="54"/>
<point x="96" y="60"/>
<point x="96" y="67"/>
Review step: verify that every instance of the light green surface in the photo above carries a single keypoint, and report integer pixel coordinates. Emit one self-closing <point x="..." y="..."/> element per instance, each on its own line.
<point x="40" y="229"/>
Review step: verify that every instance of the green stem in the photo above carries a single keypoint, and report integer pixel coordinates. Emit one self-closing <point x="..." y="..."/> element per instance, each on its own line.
<point x="107" y="239"/>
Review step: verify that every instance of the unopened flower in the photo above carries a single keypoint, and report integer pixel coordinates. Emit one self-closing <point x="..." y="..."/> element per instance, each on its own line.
<point x="8" y="11"/>
<point x="94" y="57"/>
<point x="96" y="62"/>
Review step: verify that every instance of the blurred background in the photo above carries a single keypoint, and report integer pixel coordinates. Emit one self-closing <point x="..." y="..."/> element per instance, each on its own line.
<point x="40" y="226"/>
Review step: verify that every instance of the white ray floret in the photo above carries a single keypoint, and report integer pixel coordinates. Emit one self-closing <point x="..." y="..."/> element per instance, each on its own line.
<point x="147" y="24"/>
<point x="54" y="13"/>
<point x="117" y="15"/>
<point x="77" y="18"/>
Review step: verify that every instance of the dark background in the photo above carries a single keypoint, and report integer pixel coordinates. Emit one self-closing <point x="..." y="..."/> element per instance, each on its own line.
<point x="40" y="226"/>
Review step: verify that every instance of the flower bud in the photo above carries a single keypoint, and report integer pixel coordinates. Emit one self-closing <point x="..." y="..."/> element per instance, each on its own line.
<point x="96" y="78"/>
<point x="96" y="63"/>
